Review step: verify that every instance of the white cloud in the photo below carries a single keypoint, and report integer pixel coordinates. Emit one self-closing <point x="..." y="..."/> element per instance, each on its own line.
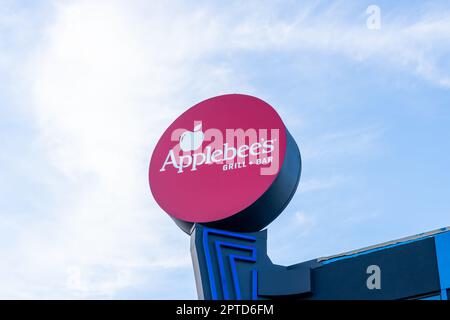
<point x="319" y="184"/>
<point x="103" y="87"/>
<point x="357" y="141"/>
<point x="417" y="47"/>
<point x="303" y="221"/>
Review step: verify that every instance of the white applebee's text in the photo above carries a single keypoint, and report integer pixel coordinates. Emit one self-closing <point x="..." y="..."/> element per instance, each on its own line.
<point x="219" y="156"/>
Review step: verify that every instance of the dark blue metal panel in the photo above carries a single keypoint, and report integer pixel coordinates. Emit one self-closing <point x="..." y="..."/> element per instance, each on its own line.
<point x="406" y="271"/>
<point x="285" y="282"/>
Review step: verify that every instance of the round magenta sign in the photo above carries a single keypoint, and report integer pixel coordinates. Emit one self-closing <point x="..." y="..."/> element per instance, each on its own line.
<point x="220" y="164"/>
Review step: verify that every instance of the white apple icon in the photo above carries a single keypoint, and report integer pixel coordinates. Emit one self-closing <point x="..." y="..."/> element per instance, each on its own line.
<point x="192" y="140"/>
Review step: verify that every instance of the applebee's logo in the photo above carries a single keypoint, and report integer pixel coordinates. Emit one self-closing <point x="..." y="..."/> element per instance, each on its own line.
<point x="190" y="141"/>
<point x="188" y="155"/>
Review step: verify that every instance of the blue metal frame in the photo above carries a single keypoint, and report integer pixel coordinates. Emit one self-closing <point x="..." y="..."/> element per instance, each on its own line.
<point x="232" y="258"/>
<point x="350" y="256"/>
<point x="442" y="242"/>
<point x="213" y="287"/>
<point x="423" y="260"/>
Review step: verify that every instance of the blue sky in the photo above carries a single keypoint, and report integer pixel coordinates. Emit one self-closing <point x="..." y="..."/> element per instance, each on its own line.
<point x="87" y="87"/>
